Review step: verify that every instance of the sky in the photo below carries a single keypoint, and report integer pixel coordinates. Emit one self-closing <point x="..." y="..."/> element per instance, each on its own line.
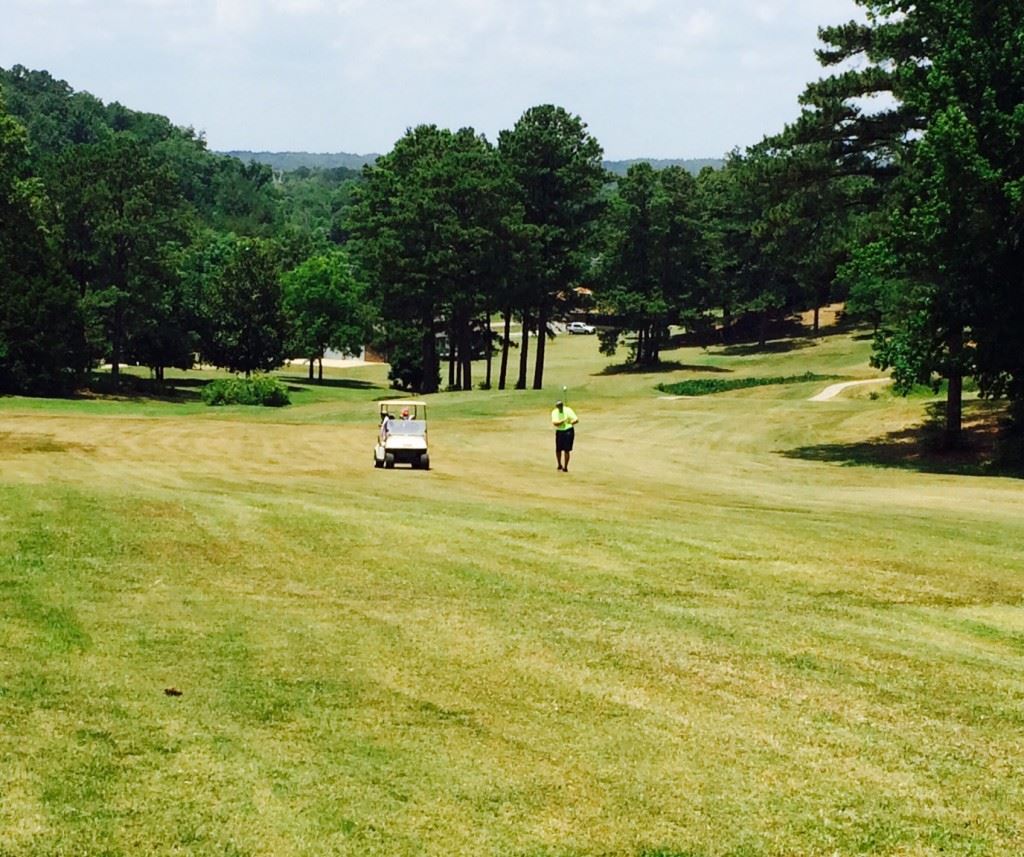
<point x="651" y="78"/>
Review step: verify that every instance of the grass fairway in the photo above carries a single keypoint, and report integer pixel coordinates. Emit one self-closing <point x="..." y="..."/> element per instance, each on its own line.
<point x="717" y="635"/>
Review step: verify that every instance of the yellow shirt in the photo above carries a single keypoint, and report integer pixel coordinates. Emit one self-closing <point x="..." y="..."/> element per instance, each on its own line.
<point x="563" y="419"/>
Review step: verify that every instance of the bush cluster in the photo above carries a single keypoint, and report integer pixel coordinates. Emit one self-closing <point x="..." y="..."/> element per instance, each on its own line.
<point x="705" y="386"/>
<point x="257" y="390"/>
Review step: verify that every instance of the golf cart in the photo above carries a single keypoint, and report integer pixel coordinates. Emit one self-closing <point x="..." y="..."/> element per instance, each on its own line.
<point x="402" y="435"/>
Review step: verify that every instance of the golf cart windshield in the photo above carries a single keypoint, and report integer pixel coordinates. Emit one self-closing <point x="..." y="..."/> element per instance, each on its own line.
<point x="412" y="428"/>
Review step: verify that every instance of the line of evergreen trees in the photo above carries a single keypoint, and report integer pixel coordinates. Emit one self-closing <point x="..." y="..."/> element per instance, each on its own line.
<point x="124" y="239"/>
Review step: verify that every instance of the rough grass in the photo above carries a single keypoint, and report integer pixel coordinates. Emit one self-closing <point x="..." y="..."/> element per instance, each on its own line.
<point x="699" y="642"/>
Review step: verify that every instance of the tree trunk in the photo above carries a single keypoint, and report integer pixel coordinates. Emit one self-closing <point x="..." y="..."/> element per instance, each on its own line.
<point x="466" y="352"/>
<point x="115" y="345"/>
<point x="312" y="360"/>
<point x="542" y="339"/>
<point x="726" y="322"/>
<point x="954" y="410"/>
<point x="817" y="313"/>
<point x="487" y="346"/>
<point x="428" y="358"/>
<point x="320" y="362"/>
<point x="639" y="359"/>
<point x="503" y="371"/>
<point x="524" y="349"/>
<point x="467" y="366"/>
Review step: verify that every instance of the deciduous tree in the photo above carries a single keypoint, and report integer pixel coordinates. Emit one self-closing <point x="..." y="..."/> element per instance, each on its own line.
<point x="122" y="221"/>
<point x="39" y="342"/>
<point x="326" y="308"/>
<point x="244" y="312"/>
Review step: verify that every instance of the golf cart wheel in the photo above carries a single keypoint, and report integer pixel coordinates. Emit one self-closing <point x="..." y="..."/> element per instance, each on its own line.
<point x="389" y="460"/>
<point x="377" y="462"/>
<point x="424" y="462"/>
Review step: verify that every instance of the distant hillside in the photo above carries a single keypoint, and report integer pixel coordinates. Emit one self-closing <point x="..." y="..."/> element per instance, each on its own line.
<point x="288" y="161"/>
<point x="694" y="165"/>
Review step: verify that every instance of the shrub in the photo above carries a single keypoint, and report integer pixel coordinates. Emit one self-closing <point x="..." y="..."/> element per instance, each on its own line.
<point x="706" y="386"/>
<point x="257" y="390"/>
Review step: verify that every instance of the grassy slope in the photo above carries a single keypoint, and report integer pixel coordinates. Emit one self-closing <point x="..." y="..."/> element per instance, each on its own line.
<point x="700" y="642"/>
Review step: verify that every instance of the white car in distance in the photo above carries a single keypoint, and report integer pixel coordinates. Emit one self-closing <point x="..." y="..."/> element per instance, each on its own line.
<point x="579" y="327"/>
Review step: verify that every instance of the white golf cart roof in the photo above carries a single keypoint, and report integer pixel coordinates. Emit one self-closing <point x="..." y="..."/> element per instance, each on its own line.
<point x="402" y="403"/>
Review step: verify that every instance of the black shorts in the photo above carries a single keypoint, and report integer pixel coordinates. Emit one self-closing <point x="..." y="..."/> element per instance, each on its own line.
<point x="564" y="439"/>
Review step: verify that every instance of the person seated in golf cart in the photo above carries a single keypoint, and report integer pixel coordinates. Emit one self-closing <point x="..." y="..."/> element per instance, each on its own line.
<point x="406" y="428"/>
<point x="404" y="440"/>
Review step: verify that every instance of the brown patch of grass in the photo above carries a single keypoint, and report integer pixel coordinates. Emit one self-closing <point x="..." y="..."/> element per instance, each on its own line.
<point x="14" y="444"/>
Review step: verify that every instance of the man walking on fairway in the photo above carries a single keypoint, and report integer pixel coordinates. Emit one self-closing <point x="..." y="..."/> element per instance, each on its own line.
<point x="563" y="418"/>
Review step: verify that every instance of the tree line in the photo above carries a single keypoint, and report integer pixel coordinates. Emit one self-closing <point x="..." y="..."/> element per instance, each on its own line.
<point x="125" y="239"/>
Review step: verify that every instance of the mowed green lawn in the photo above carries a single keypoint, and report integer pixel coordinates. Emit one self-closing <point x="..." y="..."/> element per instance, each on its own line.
<point x="715" y="636"/>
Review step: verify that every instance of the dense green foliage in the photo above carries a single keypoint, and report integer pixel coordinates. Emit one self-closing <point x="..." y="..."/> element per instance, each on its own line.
<point x="653" y="265"/>
<point x="314" y="202"/>
<point x="245" y="310"/>
<point x="256" y="390"/>
<point x="939" y="265"/>
<point x="326" y="307"/>
<point x="38" y="339"/>
<point x="125" y="241"/>
<point x="706" y="386"/>
<point x="431" y="226"/>
<point x="556" y="164"/>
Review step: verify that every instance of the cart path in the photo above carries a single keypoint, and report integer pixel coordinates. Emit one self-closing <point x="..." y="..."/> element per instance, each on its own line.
<point x="835" y="389"/>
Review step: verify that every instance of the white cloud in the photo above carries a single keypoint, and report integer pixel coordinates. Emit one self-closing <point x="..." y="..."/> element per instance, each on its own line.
<point x="297" y="7"/>
<point x="766" y="13"/>
<point x="237" y="14"/>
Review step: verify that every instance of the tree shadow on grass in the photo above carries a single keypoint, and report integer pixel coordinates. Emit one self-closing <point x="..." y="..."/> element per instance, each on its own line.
<point x="774" y="346"/>
<point x="132" y="388"/>
<point x="663" y="366"/>
<point x="186" y="383"/>
<point x="334" y="383"/>
<point x="987" y="448"/>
